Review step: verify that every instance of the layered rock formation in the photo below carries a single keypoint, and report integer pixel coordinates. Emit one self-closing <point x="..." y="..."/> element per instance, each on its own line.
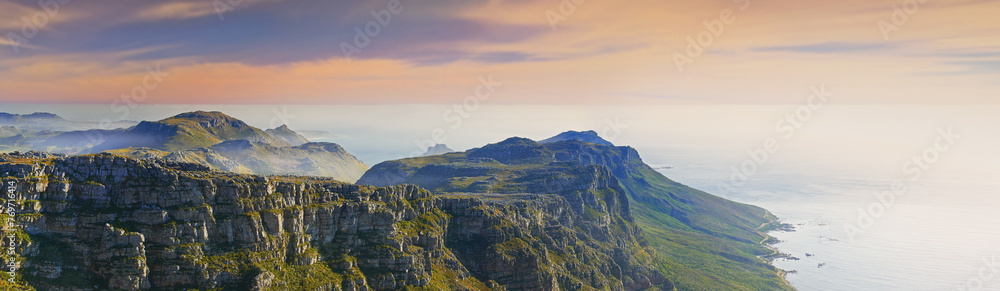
<point x="101" y="222"/>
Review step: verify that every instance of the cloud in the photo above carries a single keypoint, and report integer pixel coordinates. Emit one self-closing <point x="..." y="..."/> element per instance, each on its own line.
<point x="830" y="47"/>
<point x="15" y="17"/>
<point x="177" y="10"/>
<point x="434" y="50"/>
<point x="11" y="14"/>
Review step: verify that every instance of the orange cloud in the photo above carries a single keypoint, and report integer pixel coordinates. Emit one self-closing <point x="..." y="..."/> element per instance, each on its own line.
<point x="601" y="52"/>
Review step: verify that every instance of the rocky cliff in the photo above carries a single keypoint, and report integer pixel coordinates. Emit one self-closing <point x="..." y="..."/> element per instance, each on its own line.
<point x="721" y="238"/>
<point x="100" y="222"/>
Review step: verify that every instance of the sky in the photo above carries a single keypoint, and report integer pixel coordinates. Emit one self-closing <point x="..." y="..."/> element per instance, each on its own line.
<point x="573" y="52"/>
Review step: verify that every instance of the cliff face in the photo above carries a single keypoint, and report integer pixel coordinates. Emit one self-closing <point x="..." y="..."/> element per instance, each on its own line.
<point x="102" y="222"/>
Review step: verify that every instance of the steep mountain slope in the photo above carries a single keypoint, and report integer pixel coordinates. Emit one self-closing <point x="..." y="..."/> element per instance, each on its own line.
<point x="187" y="131"/>
<point x="705" y="242"/>
<point x="100" y="222"/>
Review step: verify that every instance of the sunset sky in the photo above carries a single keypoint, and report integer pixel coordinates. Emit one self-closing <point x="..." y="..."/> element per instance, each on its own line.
<point x="273" y="51"/>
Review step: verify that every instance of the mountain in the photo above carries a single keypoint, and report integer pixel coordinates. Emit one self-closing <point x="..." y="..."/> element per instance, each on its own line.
<point x="286" y="134"/>
<point x="437" y="149"/>
<point x="6" y="131"/>
<point x="225" y="143"/>
<point x="68" y="142"/>
<point x="44" y="121"/>
<point x="318" y="134"/>
<point x="105" y="222"/>
<point x="703" y="242"/>
<point x="18" y="119"/>
<point x="241" y="156"/>
<point x="584" y="136"/>
<point x="49" y="132"/>
<point x="187" y="131"/>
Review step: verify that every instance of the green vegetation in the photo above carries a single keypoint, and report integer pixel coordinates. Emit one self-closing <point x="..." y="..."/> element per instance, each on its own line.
<point x="430" y="223"/>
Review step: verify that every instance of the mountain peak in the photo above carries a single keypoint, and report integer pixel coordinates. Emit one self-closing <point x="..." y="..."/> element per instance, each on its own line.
<point x="516" y="141"/>
<point x="288" y="135"/>
<point x="437" y="149"/>
<point x="207" y="119"/>
<point x="514" y="150"/>
<point x="43" y="115"/>
<point x="189" y="130"/>
<point x="589" y="136"/>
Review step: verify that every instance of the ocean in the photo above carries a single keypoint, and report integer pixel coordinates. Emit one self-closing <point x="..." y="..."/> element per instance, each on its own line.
<point x="828" y="171"/>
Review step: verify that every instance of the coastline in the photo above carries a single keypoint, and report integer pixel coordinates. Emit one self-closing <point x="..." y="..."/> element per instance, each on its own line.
<point x="768" y="242"/>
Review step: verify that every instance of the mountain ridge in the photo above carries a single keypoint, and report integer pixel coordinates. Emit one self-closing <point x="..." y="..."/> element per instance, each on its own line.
<point x="723" y="236"/>
<point x="152" y="224"/>
<point x="223" y="142"/>
<point x="186" y="131"/>
<point x="588" y="136"/>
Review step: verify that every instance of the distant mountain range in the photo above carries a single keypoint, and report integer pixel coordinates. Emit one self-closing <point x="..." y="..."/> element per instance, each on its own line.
<point x="52" y="133"/>
<point x="213" y="139"/>
<point x="438" y="149"/>
<point x="43" y="121"/>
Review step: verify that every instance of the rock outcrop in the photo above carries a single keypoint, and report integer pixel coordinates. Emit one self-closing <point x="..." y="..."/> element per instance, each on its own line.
<point x="99" y="222"/>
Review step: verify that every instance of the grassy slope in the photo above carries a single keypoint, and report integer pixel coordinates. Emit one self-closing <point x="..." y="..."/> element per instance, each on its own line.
<point x="690" y="256"/>
<point x="191" y="134"/>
